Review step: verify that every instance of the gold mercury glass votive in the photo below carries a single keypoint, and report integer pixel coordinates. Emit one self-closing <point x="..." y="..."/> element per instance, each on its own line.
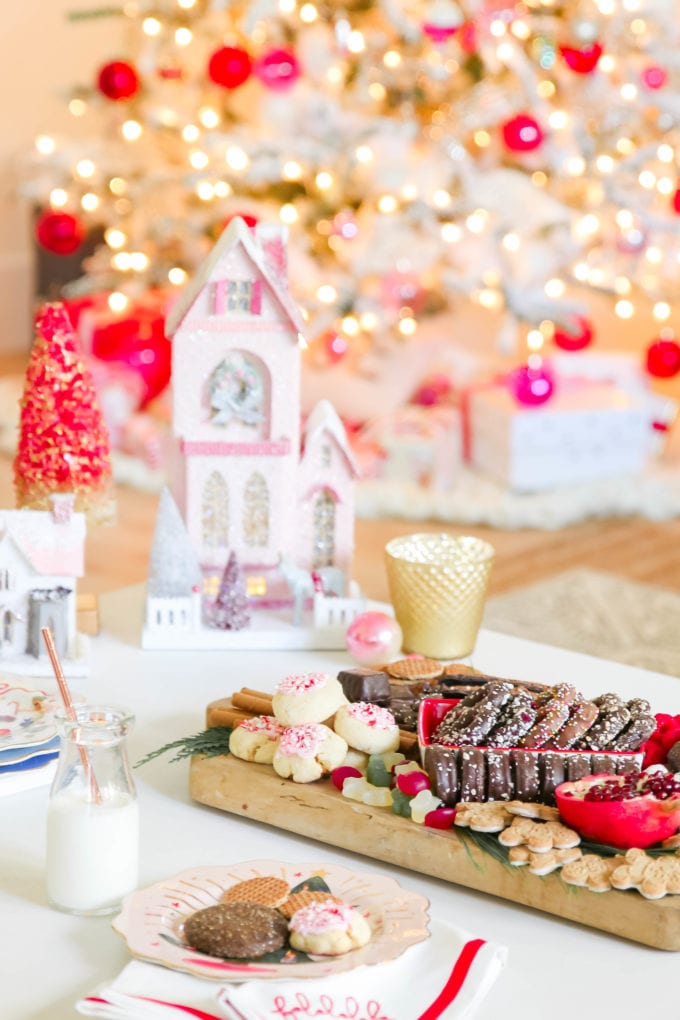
<point x="438" y="586"/>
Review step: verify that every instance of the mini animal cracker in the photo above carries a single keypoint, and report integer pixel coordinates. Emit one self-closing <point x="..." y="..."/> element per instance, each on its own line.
<point x="592" y="872"/>
<point x="539" y="836"/>
<point x="488" y="817"/>
<point x="543" y="864"/>
<point x="539" y="812"/>
<point x="653" y="877"/>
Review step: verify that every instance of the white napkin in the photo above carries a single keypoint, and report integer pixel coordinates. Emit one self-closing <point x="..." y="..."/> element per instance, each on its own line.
<point x="447" y="975"/>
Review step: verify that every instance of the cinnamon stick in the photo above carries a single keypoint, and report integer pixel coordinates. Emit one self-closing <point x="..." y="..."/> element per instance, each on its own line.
<point x="259" y="704"/>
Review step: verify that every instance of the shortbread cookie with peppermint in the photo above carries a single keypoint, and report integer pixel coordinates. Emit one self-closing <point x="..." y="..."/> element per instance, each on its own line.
<point x="367" y="727"/>
<point x="256" y="739"/>
<point x="328" y="928"/>
<point x="308" y="752"/>
<point x="307" y="698"/>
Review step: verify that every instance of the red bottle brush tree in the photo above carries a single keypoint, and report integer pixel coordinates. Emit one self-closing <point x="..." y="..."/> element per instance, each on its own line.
<point x="63" y="442"/>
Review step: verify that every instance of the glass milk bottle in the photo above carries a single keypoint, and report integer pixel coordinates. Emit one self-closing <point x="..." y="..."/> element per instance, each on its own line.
<point x="92" y="816"/>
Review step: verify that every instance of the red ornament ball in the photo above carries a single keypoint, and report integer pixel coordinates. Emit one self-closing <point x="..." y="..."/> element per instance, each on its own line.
<point x="59" y="232"/>
<point x="531" y="386"/>
<point x="249" y="220"/>
<point x="137" y="339"/>
<point x="675" y="201"/>
<point x="654" y="77"/>
<point x="278" y="69"/>
<point x="522" y="133"/>
<point x="574" y="337"/>
<point x="581" y="60"/>
<point x="118" y="80"/>
<point x="230" y="66"/>
<point x="663" y="358"/>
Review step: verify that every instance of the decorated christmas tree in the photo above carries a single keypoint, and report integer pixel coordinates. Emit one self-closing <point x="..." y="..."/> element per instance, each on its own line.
<point x="518" y="155"/>
<point x="63" y="443"/>
<point x="230" y="609"/>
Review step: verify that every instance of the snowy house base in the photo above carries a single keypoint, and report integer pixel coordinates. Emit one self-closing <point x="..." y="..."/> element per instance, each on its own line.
<point x="75" y="664"/>
<point x="267" y="631"/>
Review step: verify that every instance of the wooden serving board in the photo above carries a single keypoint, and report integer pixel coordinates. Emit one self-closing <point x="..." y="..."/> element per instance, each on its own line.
<point x="319" y="811"/>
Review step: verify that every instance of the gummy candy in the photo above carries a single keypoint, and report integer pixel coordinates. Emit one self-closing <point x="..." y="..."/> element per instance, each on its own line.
<point x="354" y="788"/>
<point x="440" y="818"/>
<point x="412" y="783"/>
<point x="379" y="796"/>
<point x="407" y="766"/>
<point x="339" y="775"/>
<point x="401" y="804"/>
<point x="376" y="772"/>
<point x="422" y="804"/>
<point x="392" y="758"/>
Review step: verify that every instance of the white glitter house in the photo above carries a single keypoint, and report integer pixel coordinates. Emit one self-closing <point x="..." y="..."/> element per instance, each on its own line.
<point x="243" y="476"/>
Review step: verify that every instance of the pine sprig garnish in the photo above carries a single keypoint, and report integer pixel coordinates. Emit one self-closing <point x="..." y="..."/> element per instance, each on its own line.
<point x="210" y="743"/>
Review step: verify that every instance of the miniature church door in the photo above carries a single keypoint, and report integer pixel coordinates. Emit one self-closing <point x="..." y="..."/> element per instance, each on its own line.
<point x="324" y="529"/>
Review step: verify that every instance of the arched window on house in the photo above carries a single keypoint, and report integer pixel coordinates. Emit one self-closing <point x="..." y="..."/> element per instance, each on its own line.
<point x="215" y="511"/>
<point x="256" y="511"/>
<point x="324" y="529"/>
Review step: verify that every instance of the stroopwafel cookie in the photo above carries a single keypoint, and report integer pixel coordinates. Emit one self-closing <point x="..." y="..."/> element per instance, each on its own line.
<point x="297" y="900"/>
<point x="414" y="669"/>
<point x="267" y="890"/>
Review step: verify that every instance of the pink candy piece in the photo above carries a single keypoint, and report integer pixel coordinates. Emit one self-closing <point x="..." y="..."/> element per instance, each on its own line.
<point x="371" y="715"/>
<point x="263" y="724"/>
<point x="303" y="741"/>
<point x="440" y="818"/>
<point x="339" y="775"/>
<point x="321" y="917"/>
<point x="302" y="683"/>
<point x="411" y="783"/>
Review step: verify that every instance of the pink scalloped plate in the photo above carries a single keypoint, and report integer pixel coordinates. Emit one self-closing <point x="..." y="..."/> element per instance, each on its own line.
<point x="152" y="920"/>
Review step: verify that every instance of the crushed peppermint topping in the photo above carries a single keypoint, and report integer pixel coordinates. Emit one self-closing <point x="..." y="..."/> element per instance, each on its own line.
<point x="263" y="724"/>
<point x="326" y="915"/>
<point x="302" y="683"/>
<point x="371" y="715"/>
<point x="304" y="740"/>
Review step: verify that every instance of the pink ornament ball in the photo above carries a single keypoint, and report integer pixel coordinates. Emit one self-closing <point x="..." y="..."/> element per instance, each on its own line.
<point x="663" y="358"/>
<point x="531" y="386"/>
<point x="118" y="80"/>
<point x="574" y="337"/>
<point x="522" y="133"/>
<point x="230" y="67"/>
<point x="373" y="638"/>
<point x="581" y="60"/>
<point x="278" y="69"/>
<point x="59" y="232"/>
<point x="675" y="201"/>
<point x="654" y="77"/>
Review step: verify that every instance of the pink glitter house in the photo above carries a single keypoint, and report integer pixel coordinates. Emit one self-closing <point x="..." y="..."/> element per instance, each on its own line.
<point x="242" y="476"/>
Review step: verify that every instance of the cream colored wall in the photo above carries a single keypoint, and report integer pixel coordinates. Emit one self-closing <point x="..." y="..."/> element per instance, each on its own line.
<point x="42" y="56"/>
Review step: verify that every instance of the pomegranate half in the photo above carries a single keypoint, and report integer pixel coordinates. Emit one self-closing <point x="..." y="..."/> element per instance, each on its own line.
<point x="635" y="810"/>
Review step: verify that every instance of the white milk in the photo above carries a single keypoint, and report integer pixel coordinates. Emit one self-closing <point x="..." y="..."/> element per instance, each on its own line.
<point x="92" y="851"/>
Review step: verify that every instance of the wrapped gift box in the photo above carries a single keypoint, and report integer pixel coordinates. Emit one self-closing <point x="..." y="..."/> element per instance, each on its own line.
<point x="588" y="430"/>
<point x="412" y="446"/>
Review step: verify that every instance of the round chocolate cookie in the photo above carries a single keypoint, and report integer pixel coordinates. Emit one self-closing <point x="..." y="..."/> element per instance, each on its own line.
<point x="236" y="930"/>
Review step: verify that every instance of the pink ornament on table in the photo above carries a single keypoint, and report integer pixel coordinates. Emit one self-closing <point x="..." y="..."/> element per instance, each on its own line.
<point x="663" y="358"/>
<point x="522" y="133"/>
<point x="531" y="385"/>
<point x="576" y="335"/>
<point x="582" y="60"/>
<point x="59" y="232"/>
<point x="373" y="638"/>
<point x="654" y="77"/>
<point x="278" y="69"/>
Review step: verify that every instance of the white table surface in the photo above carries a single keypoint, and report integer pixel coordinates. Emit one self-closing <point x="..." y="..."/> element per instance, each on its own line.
<point x="556" y="969"/>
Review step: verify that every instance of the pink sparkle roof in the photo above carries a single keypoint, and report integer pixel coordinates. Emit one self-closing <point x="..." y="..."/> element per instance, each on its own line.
<point x="51" y="549"/>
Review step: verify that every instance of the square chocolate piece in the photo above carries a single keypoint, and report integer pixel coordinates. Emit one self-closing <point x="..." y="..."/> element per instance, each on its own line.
<point x="362" y="684"/>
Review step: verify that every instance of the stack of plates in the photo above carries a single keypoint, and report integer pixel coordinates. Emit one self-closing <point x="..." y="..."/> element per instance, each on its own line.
<point x="29" y="741"/>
